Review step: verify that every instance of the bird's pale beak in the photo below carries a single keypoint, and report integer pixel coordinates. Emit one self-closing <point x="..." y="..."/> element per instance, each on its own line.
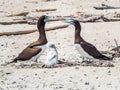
<point x="70" y="21"/>
<point x="53" y="18"/>
<point x="47" y="18"/>
<point x="50" y="18"/>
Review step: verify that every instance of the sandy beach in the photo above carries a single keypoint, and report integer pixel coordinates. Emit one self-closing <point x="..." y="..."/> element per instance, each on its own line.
<point x="28" y="75"/>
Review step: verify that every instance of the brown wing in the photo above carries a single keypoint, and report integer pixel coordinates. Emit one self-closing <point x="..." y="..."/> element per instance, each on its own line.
<point x="29" y="52"/>
<point x="34" y="44"/>
<point x="90" y="49"/>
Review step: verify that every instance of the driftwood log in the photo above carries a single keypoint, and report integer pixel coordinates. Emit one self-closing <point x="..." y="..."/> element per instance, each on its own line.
<point x="17" y="32"/>
<point x="13" y="22"/>
<point x="103" y="6"/>
<point x="25" y="13"/>
<point x="31" y="1"/>
<point x="45" y="10"/>
<point x="33" y="20"/>
<point x="18" y="14"/>
<point x="91" y="19"/>
<point x="96" y="19"/>
<point x="31" y="31"/>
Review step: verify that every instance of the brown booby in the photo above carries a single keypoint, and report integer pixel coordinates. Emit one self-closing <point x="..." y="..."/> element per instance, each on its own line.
<point x="31" y="52"/>
<point x="86" y="49"/>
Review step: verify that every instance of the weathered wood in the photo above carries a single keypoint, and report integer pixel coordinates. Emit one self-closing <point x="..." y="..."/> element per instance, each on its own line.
<point x="31" y="31"/>
<point x="31" y="1"/>
<point x="103" y="6"/>
<point x="116" y="49"/>
<point x="34" y="20"/>
<point x="17" y="32"/>
<point x="95" y="19"/>
<point x="45" y="10"/>
<point x="109" y="19"/>
<point x="13" y="22"/>
<point x="91" y="19"/>
<point x="18" y="14"/>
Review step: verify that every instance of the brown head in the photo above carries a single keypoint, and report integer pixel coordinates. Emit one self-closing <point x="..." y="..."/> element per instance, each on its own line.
<point x="77" y="26"/>
<point x="41" y="21"/>
<point x="75" y="23"/>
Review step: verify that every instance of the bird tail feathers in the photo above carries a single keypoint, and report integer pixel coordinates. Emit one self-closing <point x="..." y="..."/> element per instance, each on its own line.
<point x="105" y="57"/>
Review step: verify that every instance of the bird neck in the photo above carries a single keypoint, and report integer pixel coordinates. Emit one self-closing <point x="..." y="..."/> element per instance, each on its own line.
<point x="42" y="35"/>
<point x="78" y="37"/>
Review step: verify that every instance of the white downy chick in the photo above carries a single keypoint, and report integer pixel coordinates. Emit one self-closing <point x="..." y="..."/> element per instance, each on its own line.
<point x="52" y="55"/>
